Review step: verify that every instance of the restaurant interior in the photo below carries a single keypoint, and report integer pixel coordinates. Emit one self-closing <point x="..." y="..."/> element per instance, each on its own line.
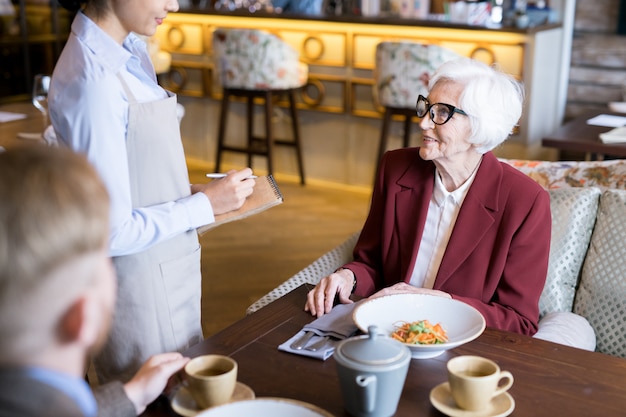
<point x="569" y="54"/>
<point x="328" y="129"/>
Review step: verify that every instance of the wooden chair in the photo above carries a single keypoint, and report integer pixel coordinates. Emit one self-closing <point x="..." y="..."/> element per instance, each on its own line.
<point x="254" y="64"/>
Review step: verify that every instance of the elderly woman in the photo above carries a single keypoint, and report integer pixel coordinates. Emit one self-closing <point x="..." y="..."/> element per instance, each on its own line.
<point x="448" y="218"/>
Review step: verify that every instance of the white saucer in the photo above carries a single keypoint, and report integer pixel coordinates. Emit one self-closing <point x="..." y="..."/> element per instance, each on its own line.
<point x="441" y="399"/>
<point x="183" y="404"/>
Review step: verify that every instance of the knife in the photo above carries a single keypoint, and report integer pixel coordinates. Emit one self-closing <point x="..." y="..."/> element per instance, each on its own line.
<point x="302" y="341"/>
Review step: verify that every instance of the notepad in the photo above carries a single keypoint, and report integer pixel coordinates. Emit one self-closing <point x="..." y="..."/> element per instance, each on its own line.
<point x="617" y="135"/>
<point x="265" y="195"/>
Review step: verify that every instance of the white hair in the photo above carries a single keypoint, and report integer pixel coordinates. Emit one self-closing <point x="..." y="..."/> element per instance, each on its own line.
<point x="492" y="99"/>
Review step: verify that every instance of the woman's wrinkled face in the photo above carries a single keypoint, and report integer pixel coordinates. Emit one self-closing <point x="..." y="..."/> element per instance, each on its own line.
<point x="447" y="142"/>
<point x="143" y="16"/>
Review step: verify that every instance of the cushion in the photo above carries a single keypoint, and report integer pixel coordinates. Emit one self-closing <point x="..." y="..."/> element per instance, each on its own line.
<point x="573" y="216"/>
<point x="568" y="329"/>
<point x="609" y="174"/>
<point x="601" y="297"/>
<point x="257" y="60"/>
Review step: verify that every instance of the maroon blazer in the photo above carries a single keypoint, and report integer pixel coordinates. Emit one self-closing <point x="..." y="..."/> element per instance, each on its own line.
<point x="497" y="256"/>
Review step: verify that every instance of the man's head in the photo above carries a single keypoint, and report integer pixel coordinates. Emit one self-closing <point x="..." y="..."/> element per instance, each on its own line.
<point x="57" y="285"/>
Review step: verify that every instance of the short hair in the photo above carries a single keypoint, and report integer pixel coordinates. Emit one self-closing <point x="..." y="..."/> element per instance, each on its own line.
<point x="492" y="99"/>
<point x="54" y="210"/>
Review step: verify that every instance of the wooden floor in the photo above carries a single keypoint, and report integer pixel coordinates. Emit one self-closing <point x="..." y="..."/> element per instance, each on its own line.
<point x="243" y="260"/>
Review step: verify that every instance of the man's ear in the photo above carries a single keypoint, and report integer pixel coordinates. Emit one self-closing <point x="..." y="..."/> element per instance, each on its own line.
<point x="77" y="324"/>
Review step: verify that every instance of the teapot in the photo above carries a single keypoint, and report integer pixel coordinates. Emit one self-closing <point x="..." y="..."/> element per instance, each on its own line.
<point x="372" y="369"/>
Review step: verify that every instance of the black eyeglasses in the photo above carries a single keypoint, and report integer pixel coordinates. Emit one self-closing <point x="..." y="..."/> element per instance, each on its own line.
<point x="440" y="113"/>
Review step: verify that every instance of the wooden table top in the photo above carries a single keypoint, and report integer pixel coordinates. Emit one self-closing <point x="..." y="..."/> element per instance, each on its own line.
<point x="550" y="379"/>
<point x="578" y="136"/>
<point x="33" y="123"/>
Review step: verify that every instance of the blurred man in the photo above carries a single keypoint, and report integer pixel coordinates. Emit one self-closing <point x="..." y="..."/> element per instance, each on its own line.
<point x="57" y="291"/>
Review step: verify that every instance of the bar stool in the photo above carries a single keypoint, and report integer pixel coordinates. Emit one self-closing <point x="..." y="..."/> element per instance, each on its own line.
<point x="402" y="72"/>
<point x="258" y="65"/>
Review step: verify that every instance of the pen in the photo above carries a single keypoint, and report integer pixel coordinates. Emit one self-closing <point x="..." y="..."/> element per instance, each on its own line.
<point x="220" y="175"/>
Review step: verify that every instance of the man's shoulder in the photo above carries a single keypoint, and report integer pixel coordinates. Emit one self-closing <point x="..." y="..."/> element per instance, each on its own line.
<point x="23" y="396"/>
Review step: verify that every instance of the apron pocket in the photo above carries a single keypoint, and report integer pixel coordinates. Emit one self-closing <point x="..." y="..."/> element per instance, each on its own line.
<point x="182" y="284"/>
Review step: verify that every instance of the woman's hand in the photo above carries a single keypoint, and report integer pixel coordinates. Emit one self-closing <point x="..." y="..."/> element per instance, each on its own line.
<point x="404" y="288"/>
<point x="320" y="299"/>
<point x="228" y="193"/>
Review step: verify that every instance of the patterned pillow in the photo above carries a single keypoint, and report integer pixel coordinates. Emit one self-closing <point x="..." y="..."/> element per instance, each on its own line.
<point x="601" y="297"/>
<point x="609" y="174"/>
<point x="573" y="216"/>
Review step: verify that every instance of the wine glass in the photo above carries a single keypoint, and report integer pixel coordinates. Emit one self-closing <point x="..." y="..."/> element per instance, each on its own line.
<point x="41" y="83"/>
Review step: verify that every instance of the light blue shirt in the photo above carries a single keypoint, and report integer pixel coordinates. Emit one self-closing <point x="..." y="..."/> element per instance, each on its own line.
<point x="89" y="112"/>
<point x="75" y="388"/>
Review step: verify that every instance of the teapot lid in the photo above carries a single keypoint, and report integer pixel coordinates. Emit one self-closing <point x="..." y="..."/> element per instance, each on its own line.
<point x="373" y="349"/>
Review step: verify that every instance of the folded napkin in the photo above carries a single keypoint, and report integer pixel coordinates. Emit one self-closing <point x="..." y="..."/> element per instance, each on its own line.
<point x="7" y="116"/>
<point x="617" y="135"/>
<point x="336" y="325"/>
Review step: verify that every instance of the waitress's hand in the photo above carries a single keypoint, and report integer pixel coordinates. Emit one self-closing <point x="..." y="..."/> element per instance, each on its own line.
<point x="320" y="300"/>
<point x="228" y="193"/>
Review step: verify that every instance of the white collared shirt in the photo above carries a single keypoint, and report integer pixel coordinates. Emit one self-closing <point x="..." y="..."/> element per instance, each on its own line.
<point x="443" y="210"/>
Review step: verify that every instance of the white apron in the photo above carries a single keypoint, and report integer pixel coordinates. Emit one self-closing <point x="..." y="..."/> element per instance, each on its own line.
<point x="159" y="289"/>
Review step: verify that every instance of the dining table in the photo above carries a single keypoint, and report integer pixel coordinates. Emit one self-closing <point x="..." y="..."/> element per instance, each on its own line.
<point x="25" y="130"/>
<point x="550" y="379"/>
<point x="577" y="135"/>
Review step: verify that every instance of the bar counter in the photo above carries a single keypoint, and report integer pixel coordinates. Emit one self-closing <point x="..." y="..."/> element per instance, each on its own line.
<point x="384" y="18"/>
<point x="340" y="118"/>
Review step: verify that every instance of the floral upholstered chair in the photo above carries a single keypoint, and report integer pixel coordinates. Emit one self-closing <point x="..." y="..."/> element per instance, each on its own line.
<point x="402" y="73"/>
<point x="257" y="60"/>
<point x="255" y="64"/>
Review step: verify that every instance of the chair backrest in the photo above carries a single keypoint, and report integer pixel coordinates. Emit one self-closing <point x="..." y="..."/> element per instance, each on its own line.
<point x="403" y="70"/>
<point x="254" y="59"/>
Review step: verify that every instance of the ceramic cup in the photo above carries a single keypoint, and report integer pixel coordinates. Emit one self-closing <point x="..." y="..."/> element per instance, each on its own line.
<point x="475" y="380"/>
<point x="211" y="379"/>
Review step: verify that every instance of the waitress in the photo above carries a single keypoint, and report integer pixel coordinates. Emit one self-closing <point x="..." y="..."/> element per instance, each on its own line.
<point x="105" y="102"/>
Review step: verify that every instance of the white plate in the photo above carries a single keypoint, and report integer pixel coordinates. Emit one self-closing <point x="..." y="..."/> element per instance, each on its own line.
<point x="266" y="407"/>
<point x="441" y="398"/>
<point x="461" y="321"/>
